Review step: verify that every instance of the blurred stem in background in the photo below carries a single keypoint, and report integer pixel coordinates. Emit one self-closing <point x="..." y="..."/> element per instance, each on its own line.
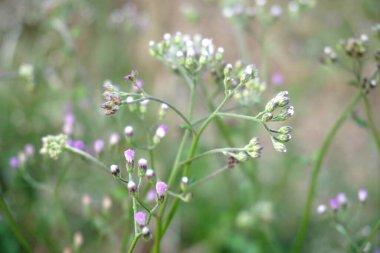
<point x="371" y="122"/>
<point x="12" y="223"/>
<point x="305" y="222"/>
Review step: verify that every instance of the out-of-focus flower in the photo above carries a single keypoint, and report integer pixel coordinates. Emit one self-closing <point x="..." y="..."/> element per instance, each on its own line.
<point x="334" y="204"/>
<point x="140" y="218"/>
<point x="114" y="139"/>
<point x="98" y="146"/>
<point x="277" y="79"/>
<point x="362" y="195"/>
<point x="14" y="162"/>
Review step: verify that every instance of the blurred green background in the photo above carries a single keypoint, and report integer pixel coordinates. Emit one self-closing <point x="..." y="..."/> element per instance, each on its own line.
<point x="74" y="46"/>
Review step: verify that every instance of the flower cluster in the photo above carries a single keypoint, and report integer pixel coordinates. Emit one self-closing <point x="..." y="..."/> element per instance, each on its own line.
<point x="278" y="109"/>
<point x="243" y="80"/>
<point x="251" y="150"/>
<point x="242" y="13"/>
<point x="181" y="51"/>
<point x="53" y="145"/>
<point x="340" y="201"/>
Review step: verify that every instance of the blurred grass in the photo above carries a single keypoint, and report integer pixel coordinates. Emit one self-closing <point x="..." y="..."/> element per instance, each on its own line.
<point x="74" y="46"/>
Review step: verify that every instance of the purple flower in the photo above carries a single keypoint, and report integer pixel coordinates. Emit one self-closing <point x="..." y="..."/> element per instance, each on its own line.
<point x="161" y="131"/>
<point x="98" y="146"/>
<point x="277" y="79"/>
<point x="140" y="218"/>
<point x="79" y="144"/>
<point x="334" y="204"/>
<point x="362" y="195"/>
<point x="161" y="189"/>
<point x="29" y="150"/>
<point x="68" y="123"/>
<point x="14" y="162"/>
<point x="151" y="196"/>
<point x="129" y="156"/>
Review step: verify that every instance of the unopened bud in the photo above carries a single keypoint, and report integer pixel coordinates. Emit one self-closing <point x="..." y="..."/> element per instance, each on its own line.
<point x="146" y="233"/>
<point x="114" y="169"/>
<point x="267" y="117"/>
<point x="128" y="131"/>
<point x="283" y="137"/>
<point x="278" y="146"/>
<point x="285" y="130"/>
<point x="131" y="186"/>
<point x="142" y="167"/>
<point x="184" y="183"/>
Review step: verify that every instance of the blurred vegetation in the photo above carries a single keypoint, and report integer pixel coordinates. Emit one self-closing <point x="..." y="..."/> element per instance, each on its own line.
<point x="73" y="46"/>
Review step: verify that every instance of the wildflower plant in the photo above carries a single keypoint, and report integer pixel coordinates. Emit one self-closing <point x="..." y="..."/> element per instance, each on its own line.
<point x="191" y="57"/>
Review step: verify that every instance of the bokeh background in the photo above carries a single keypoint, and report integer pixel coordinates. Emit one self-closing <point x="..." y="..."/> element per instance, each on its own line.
<point x="73" y="46"/>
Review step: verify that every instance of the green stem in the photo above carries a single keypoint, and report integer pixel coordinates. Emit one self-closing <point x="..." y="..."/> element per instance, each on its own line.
<point x="87" y="157"/>
<point x="343" y="230"/>
<point x="209" y="177"/>
<point x="149" y="97"/>
<point x="305" y="222"/>
<point x="14" y="227"/>
<point x="193" y="148"/>
<point x="371" y="122"/>
<point x="210" y="152"/>
<point x="239" y="116"/>
<point x="134" y="242"/>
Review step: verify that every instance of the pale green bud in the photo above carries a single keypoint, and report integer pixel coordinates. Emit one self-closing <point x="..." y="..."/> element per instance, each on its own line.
<point x="283" y="137"/>
<point x="267" y="117"/>
<point x="271" y="105"/>
<point x="285" y="130"/>
<point x="278" y="146"/>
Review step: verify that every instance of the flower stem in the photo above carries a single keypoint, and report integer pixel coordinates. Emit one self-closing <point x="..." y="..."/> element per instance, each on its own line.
<point x="87" y="156"/>
<point x="209" y="177"/>
<point x="134" y="242"/>
<point x="305" y="222"/>
<point x="12" y="223"/>
<point x="371" y="122"/>
<point x="239" y="116"/>
<point x="210" y="152"/>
